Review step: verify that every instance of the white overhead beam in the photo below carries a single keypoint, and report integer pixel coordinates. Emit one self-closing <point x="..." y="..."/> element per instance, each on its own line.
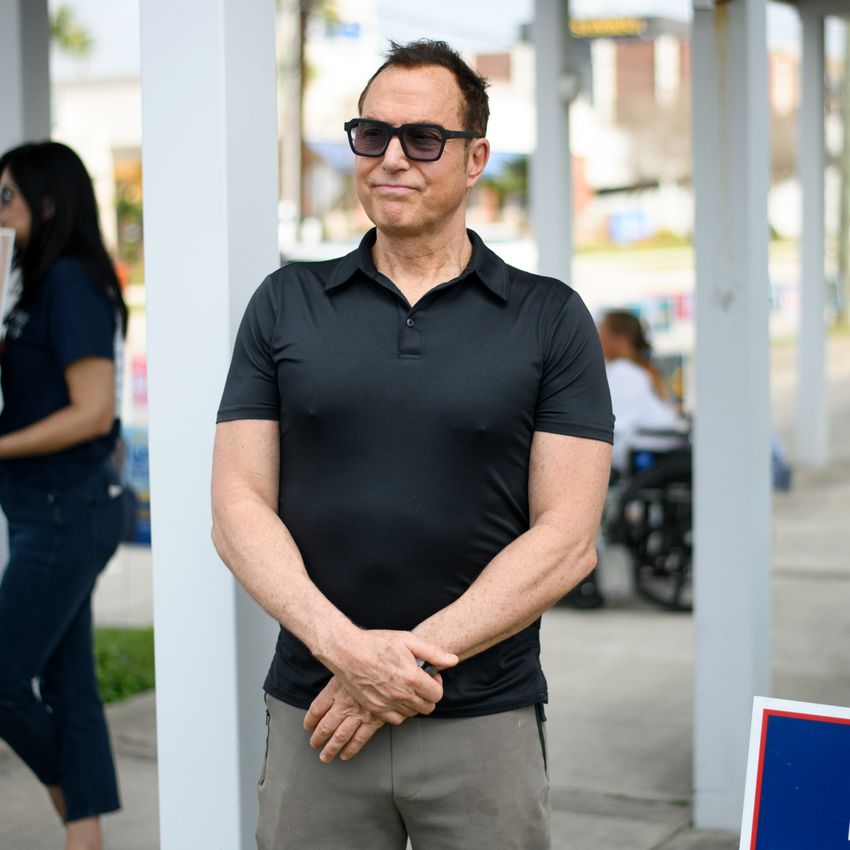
<point x="812" y="438"/>
<point x="732" y="559"/>
<point x="551" y="162"/>
<point x="210" y="183"/>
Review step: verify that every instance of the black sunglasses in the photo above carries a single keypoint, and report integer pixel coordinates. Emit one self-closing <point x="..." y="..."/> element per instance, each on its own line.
<point x="420" y="142"/>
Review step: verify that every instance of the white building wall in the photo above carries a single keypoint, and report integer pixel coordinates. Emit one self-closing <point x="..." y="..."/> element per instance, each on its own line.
<point x="603" y="54"/>
<point x="668" y="61"/>
<point x="338" y="68"/>
<point x="96" y="118"/>
<point x="512" y="123"/>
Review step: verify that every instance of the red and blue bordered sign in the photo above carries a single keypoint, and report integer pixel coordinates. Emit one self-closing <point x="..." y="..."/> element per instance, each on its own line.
<point x="797" y="794"/>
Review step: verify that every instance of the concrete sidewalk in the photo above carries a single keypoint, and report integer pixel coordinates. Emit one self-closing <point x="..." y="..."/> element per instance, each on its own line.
<point x="621" y="702"/>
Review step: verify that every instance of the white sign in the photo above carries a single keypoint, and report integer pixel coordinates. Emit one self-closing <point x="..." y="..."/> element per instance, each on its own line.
<point x="7" y="244"/>
<point x="798" y="777"/>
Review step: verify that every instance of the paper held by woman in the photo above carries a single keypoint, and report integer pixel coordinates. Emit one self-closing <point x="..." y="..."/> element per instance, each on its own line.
<point x="7" y="243"/>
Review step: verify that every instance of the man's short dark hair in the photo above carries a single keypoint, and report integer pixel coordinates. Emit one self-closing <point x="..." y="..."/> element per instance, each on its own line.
<point x="425" y="52"/>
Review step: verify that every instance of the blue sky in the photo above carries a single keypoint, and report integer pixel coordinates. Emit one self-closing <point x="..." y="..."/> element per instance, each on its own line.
<point x="477" y="25"/>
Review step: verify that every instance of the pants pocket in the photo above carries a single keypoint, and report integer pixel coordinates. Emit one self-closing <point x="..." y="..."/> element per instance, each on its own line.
<point x="262" y="780"/>
<point x="540" y="714"/>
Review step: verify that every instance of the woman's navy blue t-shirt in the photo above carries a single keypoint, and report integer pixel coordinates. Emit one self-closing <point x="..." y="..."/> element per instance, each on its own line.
<point x="71" y="317"/>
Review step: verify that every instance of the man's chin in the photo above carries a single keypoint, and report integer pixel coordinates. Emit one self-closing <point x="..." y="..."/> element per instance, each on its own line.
<point x="397" y="225"/>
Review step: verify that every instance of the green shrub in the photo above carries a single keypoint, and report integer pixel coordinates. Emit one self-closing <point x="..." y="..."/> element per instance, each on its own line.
<point x="124" y="662"/>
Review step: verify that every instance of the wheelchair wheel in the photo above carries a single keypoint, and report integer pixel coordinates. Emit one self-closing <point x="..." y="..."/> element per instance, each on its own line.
<point x="654" y="519"/>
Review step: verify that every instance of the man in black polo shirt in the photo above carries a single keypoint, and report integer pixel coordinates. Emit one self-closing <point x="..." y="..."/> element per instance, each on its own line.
<point x="410" y="463"/>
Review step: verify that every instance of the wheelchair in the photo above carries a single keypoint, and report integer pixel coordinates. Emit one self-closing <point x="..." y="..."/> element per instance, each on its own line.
<point x="649" y="515"/>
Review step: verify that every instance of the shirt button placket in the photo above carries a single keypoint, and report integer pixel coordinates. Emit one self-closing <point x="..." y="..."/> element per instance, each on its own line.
<point x="411" y="338"/>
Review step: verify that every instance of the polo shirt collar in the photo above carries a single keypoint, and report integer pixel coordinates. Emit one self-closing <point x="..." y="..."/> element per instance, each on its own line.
<point x="488" y="267"/>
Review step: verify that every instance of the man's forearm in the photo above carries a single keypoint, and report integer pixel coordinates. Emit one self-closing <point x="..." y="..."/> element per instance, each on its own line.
<point x="526" y="578"/>
<point x="260" y="552"/>
<point x="377" y="667"/>
<point x="521" y="582"/>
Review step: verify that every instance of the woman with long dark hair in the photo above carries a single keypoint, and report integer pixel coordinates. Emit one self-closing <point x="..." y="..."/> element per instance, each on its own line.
<point x="59" y="362"/>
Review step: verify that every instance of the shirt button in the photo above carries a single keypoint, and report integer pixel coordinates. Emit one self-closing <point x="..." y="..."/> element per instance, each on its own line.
<point x="410" y="323"/>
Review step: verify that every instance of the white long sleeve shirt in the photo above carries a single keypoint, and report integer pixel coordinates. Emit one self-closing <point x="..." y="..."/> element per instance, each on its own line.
<point x="636" y="406"/>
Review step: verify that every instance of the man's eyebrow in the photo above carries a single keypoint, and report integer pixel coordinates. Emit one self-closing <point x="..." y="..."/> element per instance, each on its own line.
<point x="429" y="121"/>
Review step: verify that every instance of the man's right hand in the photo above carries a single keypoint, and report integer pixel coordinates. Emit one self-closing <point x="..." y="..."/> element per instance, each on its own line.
<point x="338" y="725"/>
<point x="379" y="670"/>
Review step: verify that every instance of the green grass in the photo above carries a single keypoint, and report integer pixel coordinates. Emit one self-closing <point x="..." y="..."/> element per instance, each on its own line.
<point x="124" y="662"/>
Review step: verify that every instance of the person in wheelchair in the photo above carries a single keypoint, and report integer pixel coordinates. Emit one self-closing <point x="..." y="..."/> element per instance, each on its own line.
<point x="646" y="418"/>
<point x="647" y="517"/>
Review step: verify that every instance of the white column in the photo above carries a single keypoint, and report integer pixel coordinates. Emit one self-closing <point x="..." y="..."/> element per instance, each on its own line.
<point x="551" y="166"/>
<point x="210" y="183"/>
<point x="24" y="97"/>
<point x="812" y="438"/>
<point x="24" y="72"/>
<point x="732" y="519"/>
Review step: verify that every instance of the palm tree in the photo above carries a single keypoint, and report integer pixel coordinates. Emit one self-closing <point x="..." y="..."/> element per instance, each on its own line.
<point x="68" y="34"/>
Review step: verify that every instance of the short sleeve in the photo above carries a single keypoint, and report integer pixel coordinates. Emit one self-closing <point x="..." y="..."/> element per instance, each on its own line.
<point x="251" y="390"/>
<point x="574" y="398"/>
<point x="80" y="317"/>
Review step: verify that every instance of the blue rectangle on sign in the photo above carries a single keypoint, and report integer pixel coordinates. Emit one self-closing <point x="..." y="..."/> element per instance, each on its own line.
<point x="803" y="785"/>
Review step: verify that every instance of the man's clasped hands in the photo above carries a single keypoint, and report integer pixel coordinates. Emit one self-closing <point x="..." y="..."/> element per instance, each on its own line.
<point x="376" y="680"/>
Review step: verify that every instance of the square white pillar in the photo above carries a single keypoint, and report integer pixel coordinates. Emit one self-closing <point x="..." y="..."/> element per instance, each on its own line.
<point x="812" y="437"/>
<point x="24" y="97"/>
<point x="24" y="72"/>
<point x="732" y="497"/>
<point x="551" y="162"/>
<point x="210" y="184"/>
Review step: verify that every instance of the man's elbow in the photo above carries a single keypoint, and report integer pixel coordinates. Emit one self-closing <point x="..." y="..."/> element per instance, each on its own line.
<point x="218" y="537"/>
<point x="587" y="562"/>
<point x="577" y="564"/>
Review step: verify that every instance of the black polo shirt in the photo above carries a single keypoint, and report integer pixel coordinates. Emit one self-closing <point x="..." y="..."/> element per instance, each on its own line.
<point x="405" y="436"/>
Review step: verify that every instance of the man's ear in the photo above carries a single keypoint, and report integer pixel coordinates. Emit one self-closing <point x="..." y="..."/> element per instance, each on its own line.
<point x="48" y="209"/>
<point x="476" y="160"/>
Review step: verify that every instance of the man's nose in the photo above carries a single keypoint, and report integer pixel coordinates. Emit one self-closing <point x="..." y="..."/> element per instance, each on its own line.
<point x="394" y="157"/>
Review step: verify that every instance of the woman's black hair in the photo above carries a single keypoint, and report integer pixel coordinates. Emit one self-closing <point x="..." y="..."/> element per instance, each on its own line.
<point x="58" y="191"/>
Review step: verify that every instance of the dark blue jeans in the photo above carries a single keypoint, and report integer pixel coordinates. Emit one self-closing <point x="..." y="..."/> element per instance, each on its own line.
<point x="50" y="708"/>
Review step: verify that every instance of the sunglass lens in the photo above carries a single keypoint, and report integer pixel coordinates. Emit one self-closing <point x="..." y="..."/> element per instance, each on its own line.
<point x="369" y="139"/>
<point x="423" y="142"/>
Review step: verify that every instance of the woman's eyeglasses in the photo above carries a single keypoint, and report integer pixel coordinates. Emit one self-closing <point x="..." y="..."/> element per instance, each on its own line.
<point x="6" y="195"/>
<point x="420" y="142"/>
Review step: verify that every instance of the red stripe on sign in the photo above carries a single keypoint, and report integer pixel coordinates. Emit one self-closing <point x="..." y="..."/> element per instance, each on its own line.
<point x="842" y="721"/>
<point x="766" y="714"/>
<point x="754" y="836"/>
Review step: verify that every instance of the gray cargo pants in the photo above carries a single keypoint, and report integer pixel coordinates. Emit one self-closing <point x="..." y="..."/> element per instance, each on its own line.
<point x="476" y="783"/>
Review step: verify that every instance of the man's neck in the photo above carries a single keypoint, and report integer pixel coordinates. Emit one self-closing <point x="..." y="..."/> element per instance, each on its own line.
<point x="416" y="265"/>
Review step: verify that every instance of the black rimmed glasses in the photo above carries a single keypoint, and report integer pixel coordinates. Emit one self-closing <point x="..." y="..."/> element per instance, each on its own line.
<point x="420" y="142"/>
